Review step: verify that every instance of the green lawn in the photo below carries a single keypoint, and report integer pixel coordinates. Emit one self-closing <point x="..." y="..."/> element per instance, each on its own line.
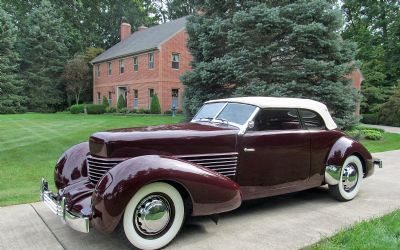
<point x="379" y="233"/>
<point x="390" y="141"/>
<point x="30" y="144"/>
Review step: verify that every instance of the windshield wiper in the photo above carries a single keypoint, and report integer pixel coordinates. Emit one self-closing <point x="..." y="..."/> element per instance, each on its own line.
<point x="208" y="119"/>
<point x="223" y="120"/>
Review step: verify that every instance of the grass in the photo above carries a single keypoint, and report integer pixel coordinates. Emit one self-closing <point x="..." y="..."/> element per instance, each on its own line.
<point x="379" y="233"/>
<point x="390" y="141"/>
<point x="30" y="144"/>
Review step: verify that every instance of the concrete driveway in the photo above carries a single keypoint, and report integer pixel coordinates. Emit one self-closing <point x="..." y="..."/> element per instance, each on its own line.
<point x="283" y="222"/>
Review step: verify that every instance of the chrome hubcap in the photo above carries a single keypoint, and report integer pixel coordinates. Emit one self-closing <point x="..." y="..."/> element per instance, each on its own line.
<point x="152" y="215"/>
<point x="350" y="177"/>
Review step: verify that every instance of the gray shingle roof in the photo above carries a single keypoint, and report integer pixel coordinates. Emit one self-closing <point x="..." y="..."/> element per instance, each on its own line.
<point x="139" y="41"/>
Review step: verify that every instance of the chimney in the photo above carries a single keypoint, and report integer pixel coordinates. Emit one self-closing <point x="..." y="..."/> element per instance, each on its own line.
<point x="125" y="30"/>
<point x="141" y="27"/>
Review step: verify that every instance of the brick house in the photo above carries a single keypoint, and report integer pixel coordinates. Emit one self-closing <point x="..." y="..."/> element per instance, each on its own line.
<point x="146" y="62"/>
<point x="150" y="61"/>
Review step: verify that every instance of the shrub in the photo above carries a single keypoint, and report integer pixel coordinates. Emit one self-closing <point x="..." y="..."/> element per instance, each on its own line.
<point x="354" y="133"/>
<point x="168" y="112"/>
<point x="147" y="111"/>
<point x="369" y="118"/>
<point x="155" y="107"/>
<point x="95" y="109"/>
<point x="77" y="109"/>
<point x="121" y="102"/>
<point x="141" y="111"/>
<point x="132" y="111"/>
<point x="179" y="111"/>
<point x="110" y="110"/>
<point x="123" y="110"/>
<point x="372" y="135"/>
<point x="105" y="101"/>
<point x="360" y="132"/>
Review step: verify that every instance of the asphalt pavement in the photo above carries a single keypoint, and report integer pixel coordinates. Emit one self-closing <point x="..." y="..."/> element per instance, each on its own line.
<point x="283" y="222"/>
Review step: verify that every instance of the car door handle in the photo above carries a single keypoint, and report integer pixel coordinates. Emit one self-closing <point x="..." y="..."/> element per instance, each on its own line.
<point x="249" y="150"/>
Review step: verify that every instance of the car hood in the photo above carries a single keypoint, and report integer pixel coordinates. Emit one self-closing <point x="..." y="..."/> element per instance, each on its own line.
<point x="173" y="139"/>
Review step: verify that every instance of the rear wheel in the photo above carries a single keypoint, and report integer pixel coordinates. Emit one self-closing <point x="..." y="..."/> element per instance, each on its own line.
<point x="350" y="180"/>
<point x="154" y="216"/>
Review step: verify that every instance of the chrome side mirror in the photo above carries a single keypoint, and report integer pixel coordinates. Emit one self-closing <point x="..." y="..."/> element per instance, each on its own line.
<point x="250" y="125"/>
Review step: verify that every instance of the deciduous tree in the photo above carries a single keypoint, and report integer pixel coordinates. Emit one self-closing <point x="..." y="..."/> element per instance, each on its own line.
<point x="76" y="77"/>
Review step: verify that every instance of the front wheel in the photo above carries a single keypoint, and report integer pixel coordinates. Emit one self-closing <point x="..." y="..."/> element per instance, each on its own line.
<point x="154" y="216"/>
<point x="350" y="180"/>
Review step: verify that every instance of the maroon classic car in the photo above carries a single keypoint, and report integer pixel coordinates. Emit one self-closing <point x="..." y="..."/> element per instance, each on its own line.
<point x="236" y="149"/>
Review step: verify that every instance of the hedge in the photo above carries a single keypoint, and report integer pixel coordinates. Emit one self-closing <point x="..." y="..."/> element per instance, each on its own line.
<point x="95" y="109"/>
<point x="77" y="108"/>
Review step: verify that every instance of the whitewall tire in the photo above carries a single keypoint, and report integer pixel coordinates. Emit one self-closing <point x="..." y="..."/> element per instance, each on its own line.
<point x="154" y="216"/>
<point x="351" y="177"/>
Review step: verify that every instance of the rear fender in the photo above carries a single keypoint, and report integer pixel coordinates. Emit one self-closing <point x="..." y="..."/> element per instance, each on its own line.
<point x="209" y="191"/>
<point x="343" y="148"/>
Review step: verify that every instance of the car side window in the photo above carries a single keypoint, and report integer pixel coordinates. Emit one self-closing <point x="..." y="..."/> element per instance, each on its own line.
<point x="312" y="120"/>
<point x="276" y="119"/>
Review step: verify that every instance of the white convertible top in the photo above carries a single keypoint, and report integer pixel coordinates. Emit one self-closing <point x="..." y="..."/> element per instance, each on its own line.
<point x="283" y="102"/>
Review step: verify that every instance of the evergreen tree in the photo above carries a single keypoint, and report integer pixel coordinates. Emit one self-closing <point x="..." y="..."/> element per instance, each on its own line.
<point x="155" y="105"/>
<point x="105" y="101"/>
<point x="11" y="98"/>
<point x="273" y="48"/>
<point x="121" y="103"/>
<point x="44" y="54"/>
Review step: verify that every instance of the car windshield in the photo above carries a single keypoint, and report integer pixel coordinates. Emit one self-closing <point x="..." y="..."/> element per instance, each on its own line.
<point x="209" y="111"/>
<point x="236" y="113"/>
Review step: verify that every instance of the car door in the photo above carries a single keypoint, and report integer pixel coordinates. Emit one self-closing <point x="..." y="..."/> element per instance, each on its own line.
<point x="276" y="152"/>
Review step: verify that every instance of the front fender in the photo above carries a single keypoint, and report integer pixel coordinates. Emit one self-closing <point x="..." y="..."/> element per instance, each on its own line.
<point x="71" y="167"/>
<point x="210" y="192"/>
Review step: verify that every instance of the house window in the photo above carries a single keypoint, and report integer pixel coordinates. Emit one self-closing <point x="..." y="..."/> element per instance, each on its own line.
<point x="175" y="98"/>
<point x="109" y="68"/>
<point x="121" y="66"/>
<point x="151" y="94"/>
<point x="98" y="98"/>
<point x="135" y="64"/>
<point x="98" y="70"/>
<point x="135" y="99"/>
<point x="151" y="60"/>
<point x="175" y="60"/>
<point x="109" y="98"/>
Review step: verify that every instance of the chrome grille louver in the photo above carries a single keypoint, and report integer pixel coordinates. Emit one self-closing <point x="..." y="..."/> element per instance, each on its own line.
<point x="223" y="163"/>
<point x="97" y="167"/>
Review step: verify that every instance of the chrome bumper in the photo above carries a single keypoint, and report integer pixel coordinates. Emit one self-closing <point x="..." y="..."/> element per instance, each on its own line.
<point x="76" y="222"/>
<point x="377" y="163"/>
<point x="332" y="174"/>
